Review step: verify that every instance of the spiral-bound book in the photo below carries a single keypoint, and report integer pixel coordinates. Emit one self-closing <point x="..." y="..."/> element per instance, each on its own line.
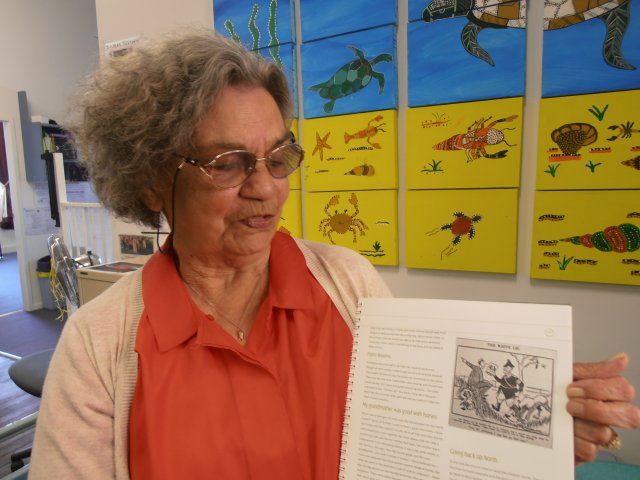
<point x="446" y="389"/>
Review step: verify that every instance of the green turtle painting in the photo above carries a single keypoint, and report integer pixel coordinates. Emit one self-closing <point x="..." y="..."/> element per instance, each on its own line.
<point x="557" y="14"/>
<point x="350" y="78"/>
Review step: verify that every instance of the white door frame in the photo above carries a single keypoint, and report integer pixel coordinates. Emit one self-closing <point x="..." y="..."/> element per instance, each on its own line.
<point x="10" y="117"/>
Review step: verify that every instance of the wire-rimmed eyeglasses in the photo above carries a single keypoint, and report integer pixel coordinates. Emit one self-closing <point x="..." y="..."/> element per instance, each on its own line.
<point x="233" y="168"/>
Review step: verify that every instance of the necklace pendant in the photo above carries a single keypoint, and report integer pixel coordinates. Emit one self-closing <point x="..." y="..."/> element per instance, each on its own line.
<point x="240" y="336"/>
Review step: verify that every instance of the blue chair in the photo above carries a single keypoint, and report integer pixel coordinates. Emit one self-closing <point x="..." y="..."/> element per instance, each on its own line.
<point x="28" y="373"/>
<point x="21" y="474"/>
<point x="12" y="430"/>
<point x="601" y="470"/>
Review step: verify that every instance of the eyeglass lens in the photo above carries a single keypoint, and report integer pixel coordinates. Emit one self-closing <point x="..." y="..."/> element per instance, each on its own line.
<point x="230" y="169"/>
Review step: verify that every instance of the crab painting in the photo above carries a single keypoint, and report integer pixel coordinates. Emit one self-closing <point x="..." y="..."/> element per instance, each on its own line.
<point x="342" y="222"/>
<point x="462" y="225"/>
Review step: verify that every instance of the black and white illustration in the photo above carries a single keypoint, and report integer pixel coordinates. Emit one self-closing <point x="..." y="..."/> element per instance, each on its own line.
<point x="504" y="390"/>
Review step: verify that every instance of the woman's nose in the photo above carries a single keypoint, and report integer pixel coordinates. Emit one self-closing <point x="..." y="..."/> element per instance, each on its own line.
<point x="260" y="181"/>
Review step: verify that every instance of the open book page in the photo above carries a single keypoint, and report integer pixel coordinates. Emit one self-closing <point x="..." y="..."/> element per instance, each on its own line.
<point x="445" y="389"/>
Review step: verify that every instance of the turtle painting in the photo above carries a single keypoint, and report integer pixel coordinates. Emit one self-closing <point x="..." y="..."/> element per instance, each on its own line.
<point x="557" y="14"/>
<point x="351" y="77"/>
<point x="462" y="225"/>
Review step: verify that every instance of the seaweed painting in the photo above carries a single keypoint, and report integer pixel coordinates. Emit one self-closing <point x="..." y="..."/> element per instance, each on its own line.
<point x="246" y="22"/>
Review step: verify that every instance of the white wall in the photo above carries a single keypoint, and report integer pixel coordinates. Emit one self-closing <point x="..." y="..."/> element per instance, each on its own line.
<point x="121" y="19"/>
<point x="606" y="316"/>
<point x="47" y="47"/>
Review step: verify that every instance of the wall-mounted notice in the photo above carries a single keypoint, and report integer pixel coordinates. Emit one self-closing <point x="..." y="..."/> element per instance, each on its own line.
<point x="37" y="221"/>
<point x="120" y="47"/>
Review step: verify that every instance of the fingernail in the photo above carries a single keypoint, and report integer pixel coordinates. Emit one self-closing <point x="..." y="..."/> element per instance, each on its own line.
<point x="575" y="408"/>
<point x="575" y="392"/>
<point x="616" y="356"/>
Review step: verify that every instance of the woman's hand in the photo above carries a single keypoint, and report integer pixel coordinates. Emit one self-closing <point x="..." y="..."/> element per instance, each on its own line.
<point x="599" y="398"/>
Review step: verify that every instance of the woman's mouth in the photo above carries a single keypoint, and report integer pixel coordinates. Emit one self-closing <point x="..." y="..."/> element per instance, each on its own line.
<point x="259" y="221"/>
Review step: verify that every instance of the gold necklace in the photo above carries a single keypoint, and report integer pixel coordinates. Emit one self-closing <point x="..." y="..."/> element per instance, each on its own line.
<point x="240" y="332"/>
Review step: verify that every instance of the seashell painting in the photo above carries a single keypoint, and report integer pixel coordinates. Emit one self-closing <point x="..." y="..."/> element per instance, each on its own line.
<point x="573" y="136"/>
<point x="622" y="238"/>
<point x="632" y="162"/>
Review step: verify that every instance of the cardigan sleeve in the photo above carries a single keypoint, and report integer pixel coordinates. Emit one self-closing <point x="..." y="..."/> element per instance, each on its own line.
<point x="75" y="427"/>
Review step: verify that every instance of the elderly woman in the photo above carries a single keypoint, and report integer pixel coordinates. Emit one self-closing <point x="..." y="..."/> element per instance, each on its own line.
<point x="227" y="356"/>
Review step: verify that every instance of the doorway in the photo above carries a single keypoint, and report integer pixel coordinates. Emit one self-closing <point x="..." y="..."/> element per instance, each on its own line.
<point x="16" y="240"/>
<point x="10" y="293"/>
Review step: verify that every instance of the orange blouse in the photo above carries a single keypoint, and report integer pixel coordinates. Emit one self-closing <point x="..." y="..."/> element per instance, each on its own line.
<point x="206" y="407"/>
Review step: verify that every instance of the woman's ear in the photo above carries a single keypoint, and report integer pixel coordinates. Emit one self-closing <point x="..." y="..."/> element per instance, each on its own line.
<point x="153" y="199"/>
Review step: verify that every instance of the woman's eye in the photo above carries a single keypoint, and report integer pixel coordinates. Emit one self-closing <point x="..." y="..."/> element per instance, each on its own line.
<point x="224" y="167"/>
<point x="276" y="162"/>
<point x="229" y="162"/>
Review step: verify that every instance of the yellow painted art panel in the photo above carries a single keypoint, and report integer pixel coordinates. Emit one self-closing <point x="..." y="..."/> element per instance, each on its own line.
<point x="294" y="178"/>
<point x="471" y="230"/>
<point x="351" y="152"/>
<point x="587" y="236"/>
<point x="465" y="145"/>
<point x="589" y="142"/>
<point x="291" y="216"/>
<point x="364" y="221"/>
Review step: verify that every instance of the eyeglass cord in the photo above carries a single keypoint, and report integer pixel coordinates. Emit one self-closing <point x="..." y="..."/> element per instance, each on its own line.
<point x="173" y="217"/>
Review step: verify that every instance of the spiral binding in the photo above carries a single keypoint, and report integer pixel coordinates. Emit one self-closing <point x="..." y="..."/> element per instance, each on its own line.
<point x="347" y="411"/>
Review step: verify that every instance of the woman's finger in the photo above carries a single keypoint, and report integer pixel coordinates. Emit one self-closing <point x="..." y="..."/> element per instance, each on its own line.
<point x="612" y="367"/>
<point x="589" y="438"/>
<point x="584" y="451"/>
<point x="595" y="433"/>
<point x="611" y="389"/>
<point x="617" y="414"/>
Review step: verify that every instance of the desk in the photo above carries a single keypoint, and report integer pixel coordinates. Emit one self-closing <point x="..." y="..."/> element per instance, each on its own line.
<point x="94" y="280"/>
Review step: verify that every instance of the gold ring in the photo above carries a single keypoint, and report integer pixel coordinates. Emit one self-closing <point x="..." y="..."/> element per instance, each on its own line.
<point x="615" y="443"/>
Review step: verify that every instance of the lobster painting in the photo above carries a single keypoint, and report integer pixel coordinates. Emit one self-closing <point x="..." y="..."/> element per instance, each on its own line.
<point x="476" y="138"/>
<point x="369" y="131"/>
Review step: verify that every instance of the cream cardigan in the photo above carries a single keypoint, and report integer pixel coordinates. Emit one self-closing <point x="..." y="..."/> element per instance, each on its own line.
<point x="82" y="429"/>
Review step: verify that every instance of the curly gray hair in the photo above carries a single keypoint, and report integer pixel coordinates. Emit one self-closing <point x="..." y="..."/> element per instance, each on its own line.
<point x="136" y="112"/>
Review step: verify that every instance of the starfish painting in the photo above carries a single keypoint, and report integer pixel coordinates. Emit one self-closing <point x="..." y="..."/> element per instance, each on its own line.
<point x="321" y="144"/>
